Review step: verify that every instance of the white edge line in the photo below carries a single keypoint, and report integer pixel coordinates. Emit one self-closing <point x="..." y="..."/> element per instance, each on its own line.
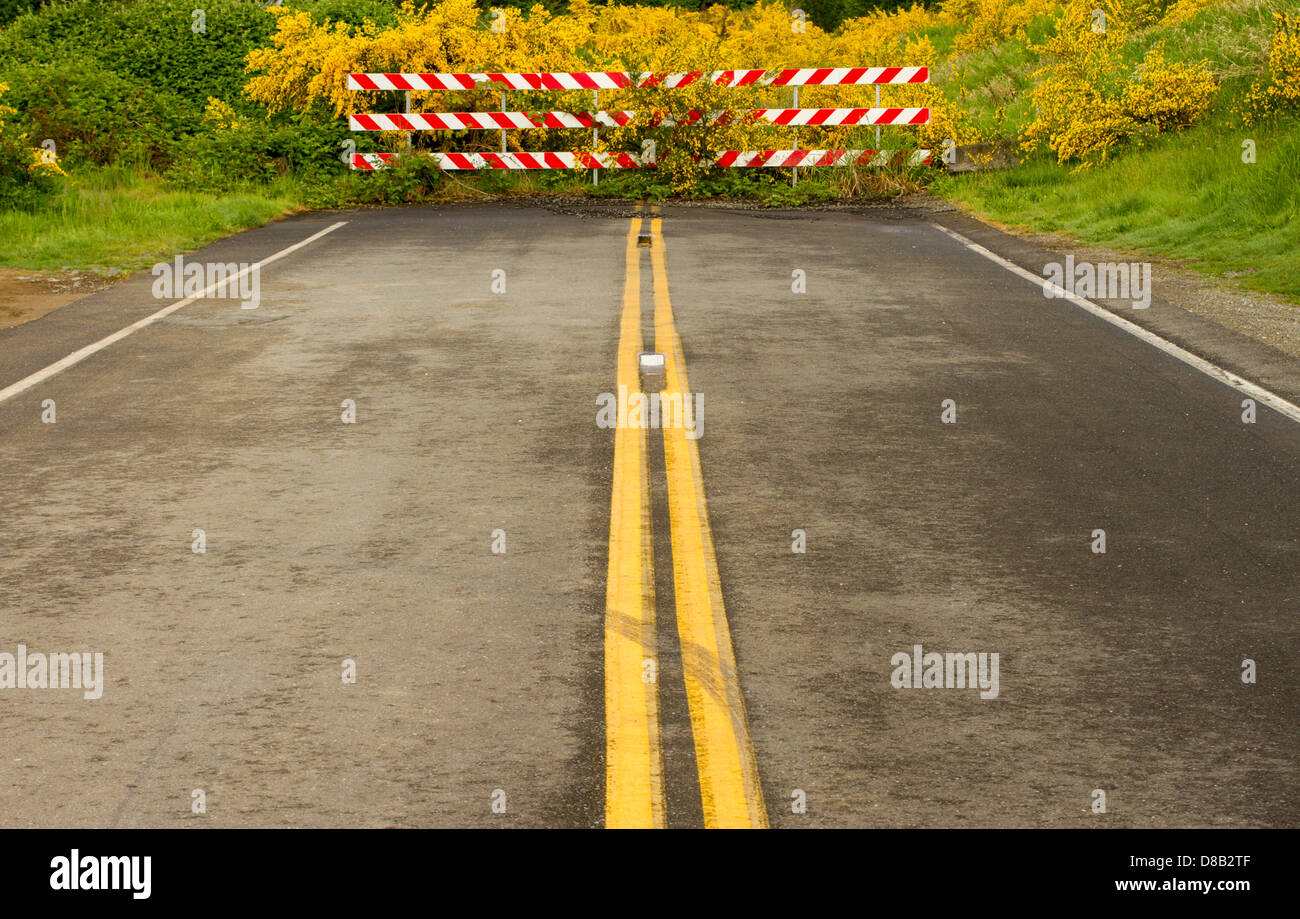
<point x="81" y="354"/>
<point x="1255" y="391"/>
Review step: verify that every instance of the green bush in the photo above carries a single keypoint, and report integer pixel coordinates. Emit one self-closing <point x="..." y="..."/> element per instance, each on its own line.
<point x="355" y="12"/>
<point x="218" y="161"/>
<point x="410" y="180"/>
<point x="118" y="81"/>
<point x="23" y="185"/>
<point x="12" y="9"/>
<point x="152" y="42"/>
<point x="828" y="14"/>
<point x="310" y="144"/>
<point x="93" y="114"/>
<point x="22" y="189"/>
<point x="254" y="149"/>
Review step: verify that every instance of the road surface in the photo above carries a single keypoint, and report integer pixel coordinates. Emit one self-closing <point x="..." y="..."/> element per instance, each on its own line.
<point x="554" y="623"/>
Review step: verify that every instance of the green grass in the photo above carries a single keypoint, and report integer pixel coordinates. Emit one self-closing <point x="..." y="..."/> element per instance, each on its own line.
<point x="119" y="217"/>
<point x="994" y="84"/>
<point x="116" y="217"/>
<point x="1187" y="197"/>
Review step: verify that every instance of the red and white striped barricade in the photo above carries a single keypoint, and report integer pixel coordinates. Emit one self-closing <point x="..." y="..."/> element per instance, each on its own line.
<point x="595" y="81"/>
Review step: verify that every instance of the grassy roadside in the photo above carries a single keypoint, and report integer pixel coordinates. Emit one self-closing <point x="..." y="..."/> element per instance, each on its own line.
<point x="121" y="219"/>
<point x="118" y="218"/>
<point x="1187" y="197"/>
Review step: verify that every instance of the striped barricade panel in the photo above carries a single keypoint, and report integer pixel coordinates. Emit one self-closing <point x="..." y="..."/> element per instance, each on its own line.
<point x="589" y="160"/>
<point x="496" y="121"/>
<point x="812" y="76"/>
<point x="788" y="158"/>
<point x="545" y="160"/>
<point x="597" y="80"/>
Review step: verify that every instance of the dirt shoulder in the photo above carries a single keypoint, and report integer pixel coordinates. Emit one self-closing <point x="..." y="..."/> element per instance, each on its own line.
<point x="26" y="294"/>
<point x="1263" y="317"/>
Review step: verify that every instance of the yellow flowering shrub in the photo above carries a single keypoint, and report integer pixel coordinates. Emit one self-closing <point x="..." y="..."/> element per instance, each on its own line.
<point x="1278" y="89"/>
<point x="1075" y="115"/>
<point x="1088" y="101"/>
<point x="635" y="38"/>
<point x="1183" y="10"/>
<point x="27" y="173"/>
<point x="1167" y="96"/>
<point x="1137" y="13"/>
<point x="221" y="116"/>
<point x="308" y="62"/>
<point x="990" y="21"/>
<point x="880" y="33"/>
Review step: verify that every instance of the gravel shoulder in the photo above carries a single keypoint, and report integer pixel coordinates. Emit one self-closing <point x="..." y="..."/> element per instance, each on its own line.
<point x="1269" y="319"/>
<point x="26" y="294"/>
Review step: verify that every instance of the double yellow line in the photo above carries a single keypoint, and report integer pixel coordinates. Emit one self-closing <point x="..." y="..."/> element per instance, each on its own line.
<point x="634" y="793"/>
<point x="730" y="792"/>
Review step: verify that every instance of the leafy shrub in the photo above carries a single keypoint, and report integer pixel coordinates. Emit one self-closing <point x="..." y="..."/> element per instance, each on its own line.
<point x="96" y="115"/>
<point x="411" y="179"/>
<point x="12" y="9"/>
<point x="234" y="148"/>
<point x="829" y="14"/>
<point x="227" y="152"/>
<point x="27" y="174"/>
<point x="117" y="81"/>
<point x="354" y="12"/>
<point x="1088" y="101"/>
<point x="153" y="42"/>
<point x="1278" y="89"/>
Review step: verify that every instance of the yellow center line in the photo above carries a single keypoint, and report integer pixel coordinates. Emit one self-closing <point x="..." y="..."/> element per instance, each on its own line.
<point x="633" y="760"/>
<point x="729" y="783"/>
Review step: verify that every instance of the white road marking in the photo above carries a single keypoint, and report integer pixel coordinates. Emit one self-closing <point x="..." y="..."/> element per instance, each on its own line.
<point x="1253" y="390"/>
<point x="81" y="354"/>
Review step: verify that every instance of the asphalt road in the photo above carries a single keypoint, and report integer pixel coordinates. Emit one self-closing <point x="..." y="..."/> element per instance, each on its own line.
<point x="647" y="649"/>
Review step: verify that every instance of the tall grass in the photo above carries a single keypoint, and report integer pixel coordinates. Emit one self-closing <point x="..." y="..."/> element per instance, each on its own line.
<point x="1187" y="197"/>
<point x="119" y="217"/>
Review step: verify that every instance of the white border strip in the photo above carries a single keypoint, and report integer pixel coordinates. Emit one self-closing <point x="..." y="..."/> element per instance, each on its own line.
<point x="80" y="355"/>
<point x="1256" y="392"/>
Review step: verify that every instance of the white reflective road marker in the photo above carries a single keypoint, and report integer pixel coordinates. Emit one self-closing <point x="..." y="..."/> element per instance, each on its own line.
<point x="76" y="357"/>
<point x="651" y="364"/>
<point x="1227" y="377"/>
